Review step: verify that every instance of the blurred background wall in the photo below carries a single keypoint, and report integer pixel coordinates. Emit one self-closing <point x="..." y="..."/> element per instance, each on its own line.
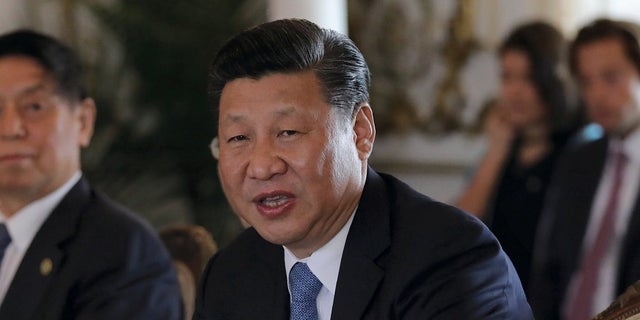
<point x="432" y="63"/>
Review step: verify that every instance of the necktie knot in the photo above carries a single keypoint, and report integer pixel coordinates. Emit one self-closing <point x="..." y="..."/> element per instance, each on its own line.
<point x="304" y="291"/>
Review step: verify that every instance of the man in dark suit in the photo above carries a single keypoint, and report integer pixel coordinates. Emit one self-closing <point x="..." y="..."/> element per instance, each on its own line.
<point x="330" y="237"/>
<point x="66" y="251"/>
<point x="588" y="250"/>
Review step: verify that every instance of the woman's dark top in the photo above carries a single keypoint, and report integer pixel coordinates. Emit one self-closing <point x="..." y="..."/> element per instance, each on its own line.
<point x="517" y="204"/>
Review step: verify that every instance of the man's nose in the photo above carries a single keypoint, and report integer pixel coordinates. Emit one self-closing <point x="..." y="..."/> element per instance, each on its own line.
<point x="11" y="124"/>
<point x="265" y="161"/>
<point x="596" y="94"/>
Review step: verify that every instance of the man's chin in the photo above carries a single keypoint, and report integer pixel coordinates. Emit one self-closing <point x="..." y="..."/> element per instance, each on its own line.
<point x="273" y="234"/>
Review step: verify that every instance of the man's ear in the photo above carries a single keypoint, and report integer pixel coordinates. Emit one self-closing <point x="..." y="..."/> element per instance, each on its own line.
<point x="365" y="130"/>
<point x="86" y="115"/>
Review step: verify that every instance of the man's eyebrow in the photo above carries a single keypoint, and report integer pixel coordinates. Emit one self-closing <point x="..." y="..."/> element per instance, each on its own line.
<point x="36" y="88"/>
<point x="233" y="118"/>
<point x="280" y="113"/>
<point x="284" y="112"/>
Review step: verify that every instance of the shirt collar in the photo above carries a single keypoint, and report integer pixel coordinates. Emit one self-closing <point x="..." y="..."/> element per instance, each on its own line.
<point x="26" y="222"/>
<point x="630" y="145"/>
<point x="324" y="262"/>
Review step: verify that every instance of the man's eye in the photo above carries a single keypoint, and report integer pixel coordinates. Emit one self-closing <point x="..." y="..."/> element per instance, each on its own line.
<point x="237" y="138"/>
<point x="33" y="107"/>
<point x="288" y="133"/>
<point x="31" y="110"/>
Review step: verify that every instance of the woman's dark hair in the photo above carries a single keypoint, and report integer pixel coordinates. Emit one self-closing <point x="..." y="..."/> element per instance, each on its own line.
<point x="544" y="46"/>
<point x="289" y="46"/>
<point x="604" y="29"/>
<point x="61" y="63"/>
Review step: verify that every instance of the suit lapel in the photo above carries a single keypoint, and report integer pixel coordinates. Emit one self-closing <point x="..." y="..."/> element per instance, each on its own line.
<point x="277" y="286"/>
<point x="44" y="256"/>
<point x="629" y="264"/>
<point x="258" y="284"/>
<point x="586" y="178"/>
<point x="31" y="282"/>
<point x="368" y="238"/>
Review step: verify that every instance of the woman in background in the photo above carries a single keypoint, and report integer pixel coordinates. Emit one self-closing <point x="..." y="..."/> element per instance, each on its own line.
<point x="526" y="129"/>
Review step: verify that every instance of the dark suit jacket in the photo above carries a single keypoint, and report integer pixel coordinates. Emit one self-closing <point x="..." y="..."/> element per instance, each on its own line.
<point x="104" y="264"/>
<point x="565" y="220"/>
<point x="406" y="257"/>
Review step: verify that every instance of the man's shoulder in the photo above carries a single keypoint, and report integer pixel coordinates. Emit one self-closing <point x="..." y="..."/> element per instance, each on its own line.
<point x="587" y="148"/>
<point x="109" y="253"/>
<point x="418" y="221"/>
<point x="580" y="162"/>
<point x="107" y="213"/>
<point x="95" y="216"/>
<point x="412" y="208"/>
<point x="432" y="246"/>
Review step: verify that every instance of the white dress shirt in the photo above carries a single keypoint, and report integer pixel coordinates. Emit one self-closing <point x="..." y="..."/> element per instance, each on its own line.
<point x="628" y="194"/>
<point x="325" y="265"/>
<point x="23" y="226"/>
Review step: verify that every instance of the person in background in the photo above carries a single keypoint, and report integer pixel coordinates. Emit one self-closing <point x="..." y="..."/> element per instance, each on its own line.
<point x="331" y="238"/>
<point x="66" y="251"/>
<point x="190" y="247"/>
<point x="526" y="129"/>
<point x="588" y="251"/>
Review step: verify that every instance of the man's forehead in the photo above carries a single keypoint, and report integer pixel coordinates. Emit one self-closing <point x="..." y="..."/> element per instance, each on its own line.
<point x="28" y="90"/>
<point x="604" y="45"/>
<point x="23" y="76"/>
<point x="241" y="115"/>
<point x="601" y="56"/>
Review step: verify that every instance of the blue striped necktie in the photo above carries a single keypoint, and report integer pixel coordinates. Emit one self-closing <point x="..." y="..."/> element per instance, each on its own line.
<point x="304" y="291"/>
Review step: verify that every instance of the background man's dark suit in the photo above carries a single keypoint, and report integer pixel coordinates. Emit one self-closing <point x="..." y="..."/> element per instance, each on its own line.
<point x="406" y="257"/>
<point x="566" y="218"/>
<point x="105" y="264"/>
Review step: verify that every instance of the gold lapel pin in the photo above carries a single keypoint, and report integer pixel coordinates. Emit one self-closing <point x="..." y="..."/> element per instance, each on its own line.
<point x="46" y="266"/>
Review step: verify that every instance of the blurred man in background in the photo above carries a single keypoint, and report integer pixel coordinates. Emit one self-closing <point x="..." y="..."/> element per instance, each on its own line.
<point x="66" y="251"/>
<point x="589" y="251"/>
